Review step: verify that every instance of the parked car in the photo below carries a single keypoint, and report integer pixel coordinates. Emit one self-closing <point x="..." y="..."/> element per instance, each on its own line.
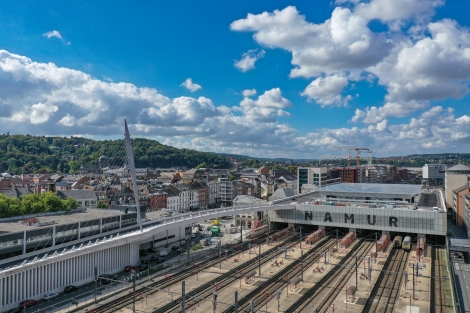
<point x="192" y="243"/>
<point x="193" y="235"/>
<point x="163" y="253"/>
<point x="182" y="243"/>
<point x="174" y="248"/>
<point x="106" y="279"/>
<point x="145" y="262"/>
<point x="142" y="252"/>
<point x="144" y="267"/>
<point x="160" y="260"/>
<point x="15" y="310"/>
<point x="152" y="250"/>
<point x="182" y="250"/>
<point x="153" y="259"/>
<point x="28" y="303"/>
<point x="50" y="296"/>
<point x="129" y="268"/>
<point x="70" y="288"/>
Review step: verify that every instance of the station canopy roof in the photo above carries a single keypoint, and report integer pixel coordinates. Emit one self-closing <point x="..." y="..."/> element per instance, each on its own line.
<point x="400" y="189"/>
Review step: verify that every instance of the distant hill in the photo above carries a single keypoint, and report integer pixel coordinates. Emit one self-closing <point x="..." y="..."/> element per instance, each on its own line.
<point x="245" y="157"/>
<point x="33" y="154"/>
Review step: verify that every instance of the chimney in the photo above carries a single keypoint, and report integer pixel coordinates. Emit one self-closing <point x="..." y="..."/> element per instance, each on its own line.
<point x="39" y="188"/>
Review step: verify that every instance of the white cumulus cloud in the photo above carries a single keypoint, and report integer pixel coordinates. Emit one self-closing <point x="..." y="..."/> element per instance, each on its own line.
<point x="326" y="91"/>
<point x="249" y="59"/>
<point x="249" y="92"/>
<point x="188" y="84"/>
<point x="53" y="33"/>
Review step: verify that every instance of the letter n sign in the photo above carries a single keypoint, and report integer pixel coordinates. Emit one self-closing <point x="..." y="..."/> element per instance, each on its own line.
<point x="308" y="215"/>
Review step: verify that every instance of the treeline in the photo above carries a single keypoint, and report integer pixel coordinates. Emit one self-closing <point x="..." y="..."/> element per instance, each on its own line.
<point x="40" y="154"/>
<point x="35" y="203"/>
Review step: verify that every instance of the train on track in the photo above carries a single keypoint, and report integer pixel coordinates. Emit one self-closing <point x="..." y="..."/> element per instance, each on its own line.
<point x="406" y="244"/>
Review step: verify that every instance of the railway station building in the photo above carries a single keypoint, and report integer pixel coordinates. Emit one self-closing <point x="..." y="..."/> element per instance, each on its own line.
<point x="366" y="208"/>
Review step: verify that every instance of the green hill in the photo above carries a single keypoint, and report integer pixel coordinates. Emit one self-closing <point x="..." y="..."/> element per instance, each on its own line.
<point x="32" y="154"/>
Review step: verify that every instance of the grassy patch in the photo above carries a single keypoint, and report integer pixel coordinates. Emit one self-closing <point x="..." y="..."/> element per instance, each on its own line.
<point x="196" y="247"/>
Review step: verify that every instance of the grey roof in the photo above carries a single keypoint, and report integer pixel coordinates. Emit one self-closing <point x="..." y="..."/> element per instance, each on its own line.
<point x="407" y="189"/>
<point x="459" y="167"/>
<point x="247" y="199"/>
<point x="80" y="194"/>
<point x="17" y="193"/>
<point x="457" y="190"/>
<point x="282" y="193"/>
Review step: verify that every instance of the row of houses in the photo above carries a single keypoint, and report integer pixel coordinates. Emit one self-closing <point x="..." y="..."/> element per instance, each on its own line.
<point x="174" y="189"/>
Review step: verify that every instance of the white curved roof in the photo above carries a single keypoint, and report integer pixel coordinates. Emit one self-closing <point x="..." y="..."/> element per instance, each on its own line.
<point x="6" y="175"/>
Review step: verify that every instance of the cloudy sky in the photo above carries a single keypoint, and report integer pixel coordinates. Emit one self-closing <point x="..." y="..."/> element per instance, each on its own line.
<point x="264" y="78"/>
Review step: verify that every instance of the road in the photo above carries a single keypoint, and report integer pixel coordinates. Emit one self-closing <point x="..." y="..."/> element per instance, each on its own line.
<point x="461" y="267"/>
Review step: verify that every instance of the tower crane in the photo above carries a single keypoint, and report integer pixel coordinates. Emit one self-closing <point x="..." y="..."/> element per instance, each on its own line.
<point x="358" y="154"/>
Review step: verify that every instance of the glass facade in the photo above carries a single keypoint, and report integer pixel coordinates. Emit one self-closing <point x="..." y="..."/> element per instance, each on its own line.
<point x="303" y="177"/>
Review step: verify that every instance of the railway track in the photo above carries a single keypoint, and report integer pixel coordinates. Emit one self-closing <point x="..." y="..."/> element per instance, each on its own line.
<point x="339" y="279"/>
<point x="386" y="290"/>
<point x="267" y="290"/>
<point x="337" y="276"/>
<point x="206" y="290"/>
<point x="123" y="301"/>
<point x="438" y="303"/>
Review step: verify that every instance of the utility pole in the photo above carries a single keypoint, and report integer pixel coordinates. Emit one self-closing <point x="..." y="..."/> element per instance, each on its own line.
<point x="235" y="306"/>
<point x="187" y="247"/>
<point x="183" y="297"/>
<point x="214" y="300"/>
<point x="241" y="232"/>
<point x="259" y="259"/>
<point x="133" y="291"/>
<point x="96" y="281"/>
<point x="376" y="242"/>
<point x="413" y="280"/>
<point x="300" y="238"/>
<point x="302" y="263"/>
<point x="278" y="296"/>
<point x="220" y="254"/>
<point x="337" y="241"/>
<point x="356" y="273"/>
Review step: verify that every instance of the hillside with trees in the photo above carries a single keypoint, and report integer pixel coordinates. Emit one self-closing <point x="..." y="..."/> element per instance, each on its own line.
<point x="40" y="154"/>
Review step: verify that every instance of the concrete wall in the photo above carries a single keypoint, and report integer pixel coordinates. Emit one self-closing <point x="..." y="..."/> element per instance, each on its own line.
<point x="452" y="182"/>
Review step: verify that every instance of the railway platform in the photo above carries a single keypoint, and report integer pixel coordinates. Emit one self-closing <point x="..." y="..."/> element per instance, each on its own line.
<point x="421" y="300"/>
<point x="268" y="269"/>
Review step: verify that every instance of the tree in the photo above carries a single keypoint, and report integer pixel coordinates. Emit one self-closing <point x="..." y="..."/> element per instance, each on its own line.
<point x="51" y="202"/>
<point x="292" y="168"/>
<point x="202" y="165"/>
<point x="70" y="204"/>
<point x="101" y="205"/>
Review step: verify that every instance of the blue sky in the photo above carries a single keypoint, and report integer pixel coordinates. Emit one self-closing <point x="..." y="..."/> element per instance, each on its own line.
<point x="280" y="79"/>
